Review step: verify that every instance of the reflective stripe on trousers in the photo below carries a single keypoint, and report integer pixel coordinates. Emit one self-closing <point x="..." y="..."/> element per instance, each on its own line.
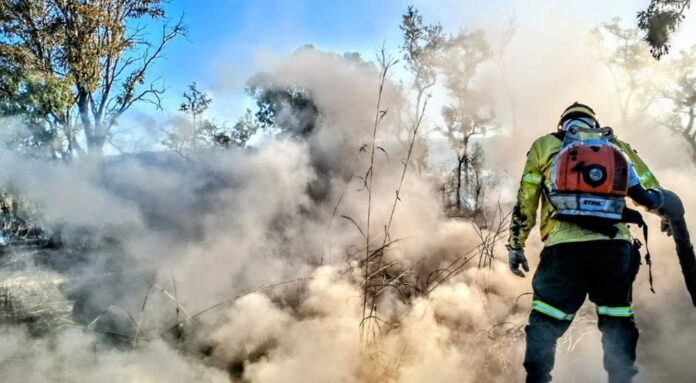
<point x="625" y="311"/>
<point x="551" y="311"/>
<point x="545" y="308"/>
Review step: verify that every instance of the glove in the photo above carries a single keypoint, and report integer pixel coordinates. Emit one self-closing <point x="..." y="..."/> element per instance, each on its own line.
<point x="515" y="259"/>
<point x="665" y="226"/>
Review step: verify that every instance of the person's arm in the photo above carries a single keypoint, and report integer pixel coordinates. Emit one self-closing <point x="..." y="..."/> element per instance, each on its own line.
<point x="643" y="187"/>
<point x="524" y="213"/>
<point x="645" y="175"/>
<point x="647" y="191"/>
<point x="651" y="199"/>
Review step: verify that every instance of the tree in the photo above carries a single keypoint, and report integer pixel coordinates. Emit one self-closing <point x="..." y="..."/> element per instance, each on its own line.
<point x="682" y="94"/>
<point x="641" y="83"/>
<point x="469" y="114"/>
<point x="241" y="132"/>
<point x="422" y="43"/>
<point x="198" y="132"/>
<point x="73" y="67"/>
<point x="659" y="20"/>
<point x="420" y="48"/>
<point x="289" y="110"/>
<point x="633" y="71"/>
<point x="196" y="102"/>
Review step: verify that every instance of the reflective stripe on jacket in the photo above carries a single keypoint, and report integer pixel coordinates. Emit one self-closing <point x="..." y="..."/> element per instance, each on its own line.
<point x="536" y="176"/>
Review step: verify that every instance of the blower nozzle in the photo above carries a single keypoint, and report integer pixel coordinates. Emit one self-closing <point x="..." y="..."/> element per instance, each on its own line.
<point x="673" y="209"/>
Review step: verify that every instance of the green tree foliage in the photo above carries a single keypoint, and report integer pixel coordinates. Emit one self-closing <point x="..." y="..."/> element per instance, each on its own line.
<point x="200" y="133"/>
<point x="196" y="102"/>
<point x="288" y="110"/>
<point x="71" y="68"/>
<point x="659" y="20"/>
<point x="421" y="45"/>
<point x="241" y="132"/>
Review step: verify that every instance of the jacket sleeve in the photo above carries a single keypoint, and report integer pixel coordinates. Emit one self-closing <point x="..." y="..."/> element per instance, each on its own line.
<point x="646" y="177"/>
<point x="524" y="213"/>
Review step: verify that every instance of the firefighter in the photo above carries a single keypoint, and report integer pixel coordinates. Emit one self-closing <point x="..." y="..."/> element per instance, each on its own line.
<point x="592" y="256"/>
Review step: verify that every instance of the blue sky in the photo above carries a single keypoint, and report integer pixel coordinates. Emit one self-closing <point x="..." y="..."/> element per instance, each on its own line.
<point x="233" y="32"/>
<point x="225" y="37"/>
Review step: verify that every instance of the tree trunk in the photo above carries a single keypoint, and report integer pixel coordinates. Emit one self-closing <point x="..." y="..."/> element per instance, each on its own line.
<point x="465" y="159"/>
<point x="95" y="146"/>
<point x="94" y="130"/>
<point x="459" y="182"/>
<point x="478" y="190"/>
<point x="96" y="141"/>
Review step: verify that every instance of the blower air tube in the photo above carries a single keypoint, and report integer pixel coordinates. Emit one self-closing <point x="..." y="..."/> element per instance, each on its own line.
<point x="673" y="209"/>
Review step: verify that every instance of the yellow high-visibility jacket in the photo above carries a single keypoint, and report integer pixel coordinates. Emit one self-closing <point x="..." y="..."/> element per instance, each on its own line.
<point x="536" y="175"/>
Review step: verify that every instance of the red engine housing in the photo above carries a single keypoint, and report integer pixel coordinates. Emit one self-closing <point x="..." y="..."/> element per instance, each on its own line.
<point x="598" y="169"/>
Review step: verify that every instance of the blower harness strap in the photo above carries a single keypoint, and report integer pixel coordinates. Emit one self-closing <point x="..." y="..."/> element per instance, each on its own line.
<point x="633" y="216"/>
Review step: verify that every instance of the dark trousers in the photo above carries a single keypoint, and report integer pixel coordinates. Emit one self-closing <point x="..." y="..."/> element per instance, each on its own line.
<point x="567" y="274"/>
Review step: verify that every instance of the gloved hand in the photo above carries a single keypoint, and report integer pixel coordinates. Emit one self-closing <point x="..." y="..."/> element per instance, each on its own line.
<point x="515" y="259"/>
<point x="665" y="226"/>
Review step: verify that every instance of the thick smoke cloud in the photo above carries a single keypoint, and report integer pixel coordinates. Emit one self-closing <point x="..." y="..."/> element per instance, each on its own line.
<point x="167" y="238"/>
